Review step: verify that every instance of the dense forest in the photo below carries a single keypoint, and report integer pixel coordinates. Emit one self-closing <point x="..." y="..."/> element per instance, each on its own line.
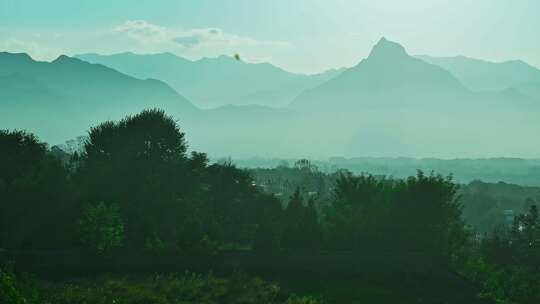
<point x="133" y="200"/>
<point x="520" y="171"/>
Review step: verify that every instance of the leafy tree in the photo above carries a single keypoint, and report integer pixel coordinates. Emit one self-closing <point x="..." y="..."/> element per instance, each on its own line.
<point x="102" y="227"/>
<point x="302" y="230"/>
<point x="19" y="154"/>
<point x="15" y="291"/>
<point x="359" y="215"/>
<point x="35" y="194"/>
<point x="431" y="213"/>
<point x="420" y="214"/>
<point x="507" y="268"/>
<point x="265" y="239"/>
<point x="139" y="162"/>
<point x="166" y="196"/>
<point x="525" y="239"/>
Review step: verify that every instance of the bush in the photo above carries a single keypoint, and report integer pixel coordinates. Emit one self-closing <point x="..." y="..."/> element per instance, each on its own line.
<point x="188" y="288"/>
<point x="13" y="291"/>
<point x="303" y="300"/>
<point x="102" y="227"/>
<point x="504" y="284"/>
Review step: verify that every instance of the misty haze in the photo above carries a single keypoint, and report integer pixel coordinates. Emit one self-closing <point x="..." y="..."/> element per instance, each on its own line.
<point x="302" y="152"/>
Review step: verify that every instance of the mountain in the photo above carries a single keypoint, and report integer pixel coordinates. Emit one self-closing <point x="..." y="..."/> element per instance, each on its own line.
<point x="389" y="105"/>
<point x="65" y="97"/>
<point x="481" y="75"/>
<point x="392" y="103"/>
<point x="387" y="77"/>
<point x="213" y="82"/>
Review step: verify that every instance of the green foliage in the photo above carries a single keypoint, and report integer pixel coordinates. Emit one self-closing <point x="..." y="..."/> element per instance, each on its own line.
<point x="170" y="201"/>
<point x="512" y="284"/>
<point x="140" y="163"/>
<point x="508" y="261"/>
<point x="35" y="194"/>
<point x="265" y="238"/>
<point x="168" y="289"/>
<point x="419" y="214"/>
<point x="9" y="289"/>
<point x="102" y="227"/>
<point x="303" y="300"/>
<point x="302" y="230"/>
<point x="20" y="151"/>
<point x="14" y="291"/>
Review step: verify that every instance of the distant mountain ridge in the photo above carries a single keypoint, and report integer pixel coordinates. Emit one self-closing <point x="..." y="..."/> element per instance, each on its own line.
<point x="386" y="76"/>
<point x="213" y="82"/>
<point x="482" y="75"/>
<point x="390" y="104"/>
<point x="40" y="95"/>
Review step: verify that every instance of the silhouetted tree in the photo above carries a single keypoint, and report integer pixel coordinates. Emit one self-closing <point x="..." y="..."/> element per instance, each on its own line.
<point x="265" y="239"/>
<point x="35" y="195"/>
<point x="420" y="214"/>
<point x="140" y="162"/>
<point x="19" y="155"/>
<point x="302" y="230"/>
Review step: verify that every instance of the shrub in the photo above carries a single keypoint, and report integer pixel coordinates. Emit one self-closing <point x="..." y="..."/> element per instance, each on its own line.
<point x="13" y="291"/>
<point x="188" y="288"/>
<point x="102" y="227"/>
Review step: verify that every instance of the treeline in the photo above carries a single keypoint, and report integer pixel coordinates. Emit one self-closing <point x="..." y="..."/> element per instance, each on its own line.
<point x="134" y="187"/>
<point x="518" y="171"/>
<point x="486" y="206"/>
<point x="506" y="264"/>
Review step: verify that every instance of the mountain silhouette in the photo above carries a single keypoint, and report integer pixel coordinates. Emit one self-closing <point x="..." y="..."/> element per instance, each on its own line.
<point x="388" y="76"/>
<point x="213" y="82"/>
<point x="481" y="75"/>
<point x="47" y="96"/>
<point x="390" y="104"/>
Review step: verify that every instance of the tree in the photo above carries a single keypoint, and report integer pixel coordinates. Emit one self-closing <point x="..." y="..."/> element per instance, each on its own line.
<point x="359" y="218"/>
<point x="419" y="214"/>
<point x="34" y="194"/>
<point x="302" y="230"/>
<point x="165" y="196"/>
<point x="102" y="227"/>
<point x="265" y="239"/>
<point x="20" y="153"/>
<point x="508" y="266"/>
<point x="430" y="214"/>
<point x="141" y="164"/>
<point x="525" y="239"/>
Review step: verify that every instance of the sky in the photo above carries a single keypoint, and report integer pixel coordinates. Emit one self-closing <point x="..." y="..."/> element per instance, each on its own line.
<point x="303" y="36"/>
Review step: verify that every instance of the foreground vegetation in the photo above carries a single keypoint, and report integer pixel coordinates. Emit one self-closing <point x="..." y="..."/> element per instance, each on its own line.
<point x="159" y="289"/>
<point x="133" y="190"/>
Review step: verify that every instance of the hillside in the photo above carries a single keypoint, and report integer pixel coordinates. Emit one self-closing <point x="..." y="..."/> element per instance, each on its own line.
<point x="213" y="82"/>
<point x="61" y="99"/>
<point x="387" y="76"/>
<point x="481" y="75"/>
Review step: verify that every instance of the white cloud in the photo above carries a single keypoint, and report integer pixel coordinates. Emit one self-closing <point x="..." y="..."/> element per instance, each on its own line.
<point x="143" y="31"/>
<point x="195" y="42"/>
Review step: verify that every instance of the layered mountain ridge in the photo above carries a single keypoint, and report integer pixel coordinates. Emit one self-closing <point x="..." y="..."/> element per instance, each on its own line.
<point x="213" y="82"/>
<point x="389" y="104"/>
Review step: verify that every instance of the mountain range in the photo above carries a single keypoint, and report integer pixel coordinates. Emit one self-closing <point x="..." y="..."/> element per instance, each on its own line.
<point x="213" y="82"/>
<point x="481" y="75"/>
<point x="64" y="97"/>
<point x="389" y="104"/>
<point x="387" y="76"/>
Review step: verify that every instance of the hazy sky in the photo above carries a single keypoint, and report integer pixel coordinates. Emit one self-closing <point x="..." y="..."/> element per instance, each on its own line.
<point x="298" y="35"/>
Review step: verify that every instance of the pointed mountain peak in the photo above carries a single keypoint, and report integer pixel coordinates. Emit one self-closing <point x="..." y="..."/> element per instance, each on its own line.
<point x="65" y="59"/>
<point x="386" y="49"/>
